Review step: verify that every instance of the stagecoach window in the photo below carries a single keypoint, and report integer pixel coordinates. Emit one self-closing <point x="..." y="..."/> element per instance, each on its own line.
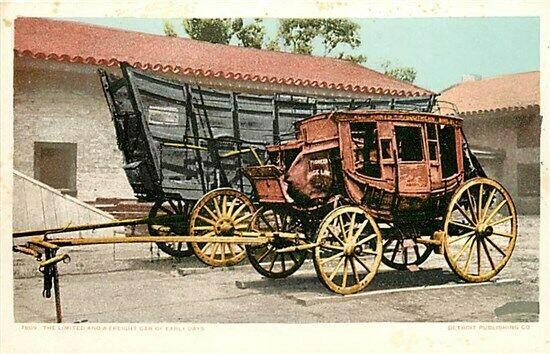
<point x="433" y="150"/>
<point x="365" y="146"/>
<point x="386" y="148"/>
<point x="409" y="143"/>
<point x="447" y="145"/>
<point x="431" y="132"/>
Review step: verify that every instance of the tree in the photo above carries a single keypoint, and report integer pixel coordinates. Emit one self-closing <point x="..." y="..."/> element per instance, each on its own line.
<point x="249" y="35"/>
<point x="299" y="35"/>
<point x="169" y="29"/>
<point x="213" y="30"/>
<point x="294" y="35"/>
<point x="222" y="30"/>
<point x="406" y="73"/>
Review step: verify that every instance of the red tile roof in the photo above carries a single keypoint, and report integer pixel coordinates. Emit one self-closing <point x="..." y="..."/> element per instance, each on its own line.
<point x="83" y="43"/>
<point x="500" y="93"/>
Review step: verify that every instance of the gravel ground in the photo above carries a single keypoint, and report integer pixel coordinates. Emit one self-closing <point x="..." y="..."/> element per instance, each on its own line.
<point x="131" y="283"/>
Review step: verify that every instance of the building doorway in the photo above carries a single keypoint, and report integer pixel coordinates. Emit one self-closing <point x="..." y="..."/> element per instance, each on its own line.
<point x="55" y="165"/>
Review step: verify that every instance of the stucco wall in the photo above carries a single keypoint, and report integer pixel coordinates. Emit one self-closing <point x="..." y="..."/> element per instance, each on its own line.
<point x="500" y="131"/>
<point x="61" y="102"/>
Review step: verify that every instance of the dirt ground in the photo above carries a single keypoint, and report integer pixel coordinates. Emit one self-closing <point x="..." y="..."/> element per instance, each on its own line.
<point x="134" y="283"/>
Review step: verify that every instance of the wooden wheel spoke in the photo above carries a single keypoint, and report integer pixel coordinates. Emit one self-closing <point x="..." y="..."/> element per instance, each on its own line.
<point x="217" y="206"/>
<point x="166" y="210"/>
<point x="494" y="223"/>
<point x="224" y="205"/>
<point x="480" y="203"/>
<point x="283" y="266"/>
<point x="366" y="239"/>
<point x="213" y="251"/>
<point x="342" y="226"/>
<point x="367" y="268"/>
<point x="478" y="249"/>
<point x="488" y="204"/>
<point x="174" y="207"/>
<point x="331" y="258"/>
<point x="203" y="228"/>
<point x="267" y="223"/>
<point x="464" y="247"/>
<point x="469" y="260"/>
<point x="487" y="253"/>
<point x="351" y="226"/>
<point x="495" y="211"/>
<point x="211" y="222"/>
<point x="395" y="249"/>
<point x="335" y="235"/>
<point x="232" y="206"/>
<point x="495" y="246"/>
<point x="240" y="246"/>
<point x="345" y="273"/>
<point x="335" y="270"/>
<point x="222" y="251"/>
<point x="239" y="209"/>
<point x="463" y="212"/>
<point x="210" y="212"/>
<point x="472" y="207"/>
<point x="503" y="234"/>
<point x="268" y="251"/>
<point x="354" y="270"/>
<point x="461" y="237"/>
<point x="272" y="264"/>
<point x="207" y="246"/>
<point x="462" y="225"/>
<point x="231" y="251"/>
<point x="360" y="229"/>
<point x="243" y="218"/>
<point x="332" y="247"/>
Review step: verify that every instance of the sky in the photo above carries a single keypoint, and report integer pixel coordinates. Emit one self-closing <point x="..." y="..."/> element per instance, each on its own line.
<point x="441" y="50"/>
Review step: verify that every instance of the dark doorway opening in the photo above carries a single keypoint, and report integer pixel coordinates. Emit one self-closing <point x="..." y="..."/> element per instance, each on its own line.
<point x="55" y="165"/>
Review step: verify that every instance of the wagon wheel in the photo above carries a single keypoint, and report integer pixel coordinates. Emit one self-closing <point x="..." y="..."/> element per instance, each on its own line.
<point x="176" y="226"/>
<point x="221" y="212"/>
<point x="264" y="258"/>
<point x="349" y="251"/>
<point x="480" y="230"/>
<point x="402" y="250"/>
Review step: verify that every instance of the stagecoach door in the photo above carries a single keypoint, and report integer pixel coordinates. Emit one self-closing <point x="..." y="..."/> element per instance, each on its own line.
<point x="413" y="174"/>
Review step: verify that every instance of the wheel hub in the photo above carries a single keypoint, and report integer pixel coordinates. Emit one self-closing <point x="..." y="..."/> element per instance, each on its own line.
<point x="350" y="248"/>
<point x="483" y="230"/>
<point x="224" y="227"/>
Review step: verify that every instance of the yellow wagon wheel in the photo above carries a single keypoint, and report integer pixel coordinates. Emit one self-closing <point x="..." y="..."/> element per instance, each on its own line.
<point x="480" y="230"/>
<point x="221" y="212"/>
<point x="350" y="250"/>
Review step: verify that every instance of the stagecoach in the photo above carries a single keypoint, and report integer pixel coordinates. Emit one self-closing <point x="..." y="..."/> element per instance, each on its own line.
<point x="361" y="187"/>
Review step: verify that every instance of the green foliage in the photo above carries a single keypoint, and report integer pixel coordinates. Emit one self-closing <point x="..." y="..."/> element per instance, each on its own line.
<point x="213" y="30"/>
<point x="299" y="35"/>
<point x="223" y="30"/>
<point x="405" y="73"/>
<point x="250" y="35"/>
<point x="357" y="59"/>
<point x="169" y="29"/>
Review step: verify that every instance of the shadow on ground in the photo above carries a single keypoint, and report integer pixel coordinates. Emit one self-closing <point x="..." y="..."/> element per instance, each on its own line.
<point x="393" y="279"/>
